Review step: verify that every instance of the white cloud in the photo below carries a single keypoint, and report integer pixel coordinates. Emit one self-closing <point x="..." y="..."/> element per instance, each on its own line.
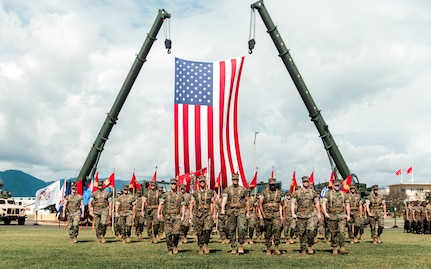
<point x="366" y="64"/>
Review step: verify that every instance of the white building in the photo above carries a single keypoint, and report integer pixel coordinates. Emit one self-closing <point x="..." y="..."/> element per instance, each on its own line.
<point x="414" y="191"/>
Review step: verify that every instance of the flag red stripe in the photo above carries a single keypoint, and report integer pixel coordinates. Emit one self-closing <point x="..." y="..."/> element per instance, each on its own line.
<point x="176" y="141"/>
<point x="186" y="139"/>
<point x="210" y="126"/>
<point x="198" y="152"/>
<point x="235" y="118"/>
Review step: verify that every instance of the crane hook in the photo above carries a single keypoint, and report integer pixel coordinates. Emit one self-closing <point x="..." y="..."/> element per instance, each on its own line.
<point x="168" y="45"/>
<point x="251" y="44"/>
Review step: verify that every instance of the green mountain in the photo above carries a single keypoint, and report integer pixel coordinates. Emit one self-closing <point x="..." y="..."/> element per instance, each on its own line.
<point x="25" y="185"/>
<point x="21" y="184"/>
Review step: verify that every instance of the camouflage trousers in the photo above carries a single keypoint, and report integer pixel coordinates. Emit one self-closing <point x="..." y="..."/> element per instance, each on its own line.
<point x="236" y="221"/>
<point x="321" y="225"/>
<point x="306" y="228"/>
<point x="101" y="220"/>
<point x="125" y="223"/>
<point x="377" y="221"/>
<point x="172" y="230"/>
<point x="73" y="219"/>
<point x="139" y="223"/>
<point x="222" y="226"/>
<point x="289" y="226"/>
<point x="117" y="226"/>
<point x="185" y="224"/>
<point x="337" y="228"/>
<point x="273" y="227"/>
<point x="250" y="226"/>
<point x="203" y="225"/>
<point x="353" y="224"/>
<point x="152" y="222"/>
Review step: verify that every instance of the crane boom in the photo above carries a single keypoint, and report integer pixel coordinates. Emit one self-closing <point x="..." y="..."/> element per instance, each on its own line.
<point x="90" y="164"/>
<point x="314" y="112"/>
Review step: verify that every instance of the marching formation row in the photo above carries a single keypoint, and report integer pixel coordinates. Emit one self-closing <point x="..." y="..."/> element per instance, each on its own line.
<point x="237" y="213"/>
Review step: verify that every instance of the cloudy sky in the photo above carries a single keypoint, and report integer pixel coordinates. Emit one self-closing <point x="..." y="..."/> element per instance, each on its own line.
<point x="367" y="65"/>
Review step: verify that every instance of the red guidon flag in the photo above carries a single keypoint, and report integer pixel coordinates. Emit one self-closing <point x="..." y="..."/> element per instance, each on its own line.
<point x="253" y="182"/>
<point x="205" y="118"/>
<point x="293" y="183"/>
<point x="399" y="172"/>
<point x="409" y="170"/>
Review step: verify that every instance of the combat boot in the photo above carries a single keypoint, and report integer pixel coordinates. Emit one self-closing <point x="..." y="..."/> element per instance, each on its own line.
<point x="303" y="252"/>
<point x="355" y="240"/>
<point x="335" y="251"/>
<point x="250" y="242"/>
<point x="201" y="250"/>
<point x="352" y="241"/>
<point x="379" y="241"/>
<point x="233" y="251"/>
<point x="102" y="239"/>
<point x="361" y="237"/>
<point x="375" y="241"/>
<point x="175" y="250"/>
<point x="169" y="252"/>
<point x="315" y="240"/>
<point x="268" y="251"/>
<point x="291" y="241"/>
<point x="310" y="250"/>
<point x="127" y="240"/>
<point x="240" y="249"/>
<point x="277" y="250"/>
<point x="343" y="250"/>
<point x="206" y="249"/>
<point x="75" y="240"/>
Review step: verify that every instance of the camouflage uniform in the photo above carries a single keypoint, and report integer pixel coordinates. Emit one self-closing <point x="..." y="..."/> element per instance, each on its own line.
<point x="203" y="217"/>
<point x="251" y="221"/>
<point x="338" y="205"/>
<point x="221" y="223"/>
<point x="73" y="205"/>
<point x="236" y="201"/>
<point x="161" y="220"/>
<point x="420" y="218"/>
<point x="355" y="215"/>
<point x="306" y="201"/>
<point x="172" y="203"/>
<point x="151" y="203"/>
<point x="185" y="224"/>
<point x="139" y="218"/>
<point x="428" y="217"/>
<point x="376" y="208"/>
<point x="100" y="203"/>
<point x="125" y="209"/>
<point x="116" y="224"/>
<point x="408" y="218"/>
<point x="289" y="223"/>
<point x="271" y="204"/>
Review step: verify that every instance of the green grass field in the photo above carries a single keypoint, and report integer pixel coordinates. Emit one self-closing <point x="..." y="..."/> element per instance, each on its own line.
<point x="49" y="247"/>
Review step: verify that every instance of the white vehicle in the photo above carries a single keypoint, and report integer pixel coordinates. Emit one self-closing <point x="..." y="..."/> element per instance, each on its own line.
<point x="11" y="210"/>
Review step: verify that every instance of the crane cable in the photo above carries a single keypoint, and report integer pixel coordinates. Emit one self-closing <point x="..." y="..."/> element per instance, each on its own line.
<point x="167" y="31"/>
<point x="252" y="31"/>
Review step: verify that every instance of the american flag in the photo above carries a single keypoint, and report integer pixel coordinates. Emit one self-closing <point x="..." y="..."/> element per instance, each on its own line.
<point x="205" y="118"/>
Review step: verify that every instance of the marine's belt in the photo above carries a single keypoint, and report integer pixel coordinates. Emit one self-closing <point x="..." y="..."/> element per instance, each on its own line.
<point x="336" y="209"/>
<point x="376" y="207"/>
<point x="172" y="211"/>
<point x="152" y="206"/>
<point x="236" y="205"/>
<point x="271" y="205"/>
<point x="207" y="206"/>
<point x="101" y="204"/>
<point x="302" y="209"/>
